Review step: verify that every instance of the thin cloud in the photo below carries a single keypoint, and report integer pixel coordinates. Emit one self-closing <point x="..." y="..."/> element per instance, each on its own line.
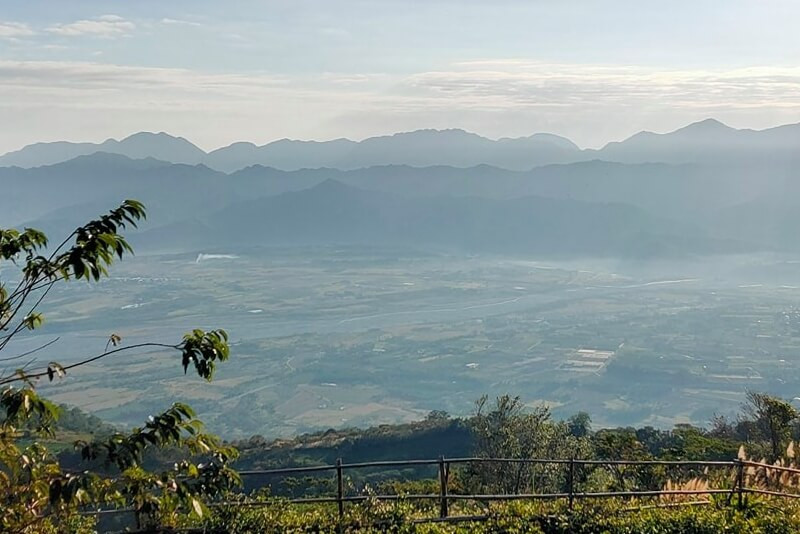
<point x="178" y="22"/>
<point x="510" y="83"/>
<point x="55" y="99"/>
<point x="15" y="30"/>
<point x="100" y="85"/>
<point x="591" y="104"/>
<point x="102" y="26"/>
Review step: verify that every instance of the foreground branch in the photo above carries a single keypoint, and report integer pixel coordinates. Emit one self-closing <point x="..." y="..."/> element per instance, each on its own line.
<point x="21" y="377"/>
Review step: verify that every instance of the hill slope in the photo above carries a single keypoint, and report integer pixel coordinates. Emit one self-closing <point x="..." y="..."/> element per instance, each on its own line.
<point x="334" y="213"/>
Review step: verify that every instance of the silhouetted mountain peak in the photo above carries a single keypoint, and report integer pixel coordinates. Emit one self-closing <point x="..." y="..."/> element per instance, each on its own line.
<point x="150" y="135"/>
<point x="706" y="126"/>
<point x="162" y="146"/>
<point x="543" y="138"/>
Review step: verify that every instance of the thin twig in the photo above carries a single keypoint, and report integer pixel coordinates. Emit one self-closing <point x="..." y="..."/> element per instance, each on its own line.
<point x="16" y="378"/>
<point x="37" y="349"/>
<point x="21" y="324"/>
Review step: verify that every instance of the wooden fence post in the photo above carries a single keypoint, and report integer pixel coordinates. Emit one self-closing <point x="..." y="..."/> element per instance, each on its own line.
<point x="340" y="491"/>
<point x="740" y="483"/>
<point x="571" y="482"/>
<point x="444" y="473"/>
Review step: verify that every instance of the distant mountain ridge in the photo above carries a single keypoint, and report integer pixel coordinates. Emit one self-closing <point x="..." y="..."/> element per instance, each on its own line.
<point x="333" y="213"/>
<point x="140" y="145"/>
<point x="707" y="141"/>
<point x="695" y="202"/>
<point x="704" y="188"/>
<point x="420" y="148"/>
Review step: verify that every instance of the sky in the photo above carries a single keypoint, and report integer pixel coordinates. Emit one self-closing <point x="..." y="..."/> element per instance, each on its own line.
<point x="219" y="72"/>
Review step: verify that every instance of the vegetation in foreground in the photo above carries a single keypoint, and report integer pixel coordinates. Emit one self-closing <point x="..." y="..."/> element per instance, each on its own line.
<point x="37" y="494"/>
<point x="169" y="473"/>
<point x="761" y="516"/>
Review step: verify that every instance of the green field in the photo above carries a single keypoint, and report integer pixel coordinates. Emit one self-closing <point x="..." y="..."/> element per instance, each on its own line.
<point x="341" y="337"/>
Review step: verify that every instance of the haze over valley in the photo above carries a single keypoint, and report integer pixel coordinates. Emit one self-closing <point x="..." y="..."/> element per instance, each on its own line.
<point x="394" y="210"/>
<point x="386" y="266"/>
<point x="371" y="282"/>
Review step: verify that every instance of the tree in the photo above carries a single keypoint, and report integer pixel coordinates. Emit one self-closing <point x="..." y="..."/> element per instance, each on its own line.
<point x="771" y="418"/>
<point x="36" y="494"/>
<point x="623" y="444"/>
<point x="580" y="424"/>
<point x="508" y="430"/>
<point x="437" y="416"/>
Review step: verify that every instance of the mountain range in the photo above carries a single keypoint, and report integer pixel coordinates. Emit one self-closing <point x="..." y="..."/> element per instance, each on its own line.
<point x="590" y="208"/>
<point x="333" y="213"/>
<point x="711" y="190"/>
<point x="701" y="142"/>
<point x="141" y="145"/>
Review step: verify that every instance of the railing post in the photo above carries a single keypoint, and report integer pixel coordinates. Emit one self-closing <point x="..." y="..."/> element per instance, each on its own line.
<point x="571" y="483"/>
<point x="444" y="473"/>
<point x="340" y="491"/>
<point x="740" y="483"/>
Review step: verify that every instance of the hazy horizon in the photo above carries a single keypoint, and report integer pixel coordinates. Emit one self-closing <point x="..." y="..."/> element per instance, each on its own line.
<point x="369" y="283"/>
<point x="387" y="134"/>
<point x="557" y="236"/>
<point x="261" y="71"/>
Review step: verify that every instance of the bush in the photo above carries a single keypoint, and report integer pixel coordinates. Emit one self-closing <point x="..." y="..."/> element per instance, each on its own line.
<point x="764" y="516"/>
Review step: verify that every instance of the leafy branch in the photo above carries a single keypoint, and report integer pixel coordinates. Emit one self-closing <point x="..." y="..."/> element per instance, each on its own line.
<point x="35" y="490"/>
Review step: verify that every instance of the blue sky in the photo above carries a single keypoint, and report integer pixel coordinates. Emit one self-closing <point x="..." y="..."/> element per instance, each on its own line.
<point x="218" y="72"/>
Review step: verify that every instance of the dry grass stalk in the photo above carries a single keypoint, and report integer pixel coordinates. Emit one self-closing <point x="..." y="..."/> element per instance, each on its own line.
<point x="772" y="478"/>
<point x="695" y="484"/>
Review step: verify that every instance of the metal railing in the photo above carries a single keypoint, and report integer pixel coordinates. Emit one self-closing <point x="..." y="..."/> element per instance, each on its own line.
<point x="444" y="497"/>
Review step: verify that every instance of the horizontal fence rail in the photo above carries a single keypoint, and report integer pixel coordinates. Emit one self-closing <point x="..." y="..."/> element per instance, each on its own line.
<point x="444" y="497"/>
